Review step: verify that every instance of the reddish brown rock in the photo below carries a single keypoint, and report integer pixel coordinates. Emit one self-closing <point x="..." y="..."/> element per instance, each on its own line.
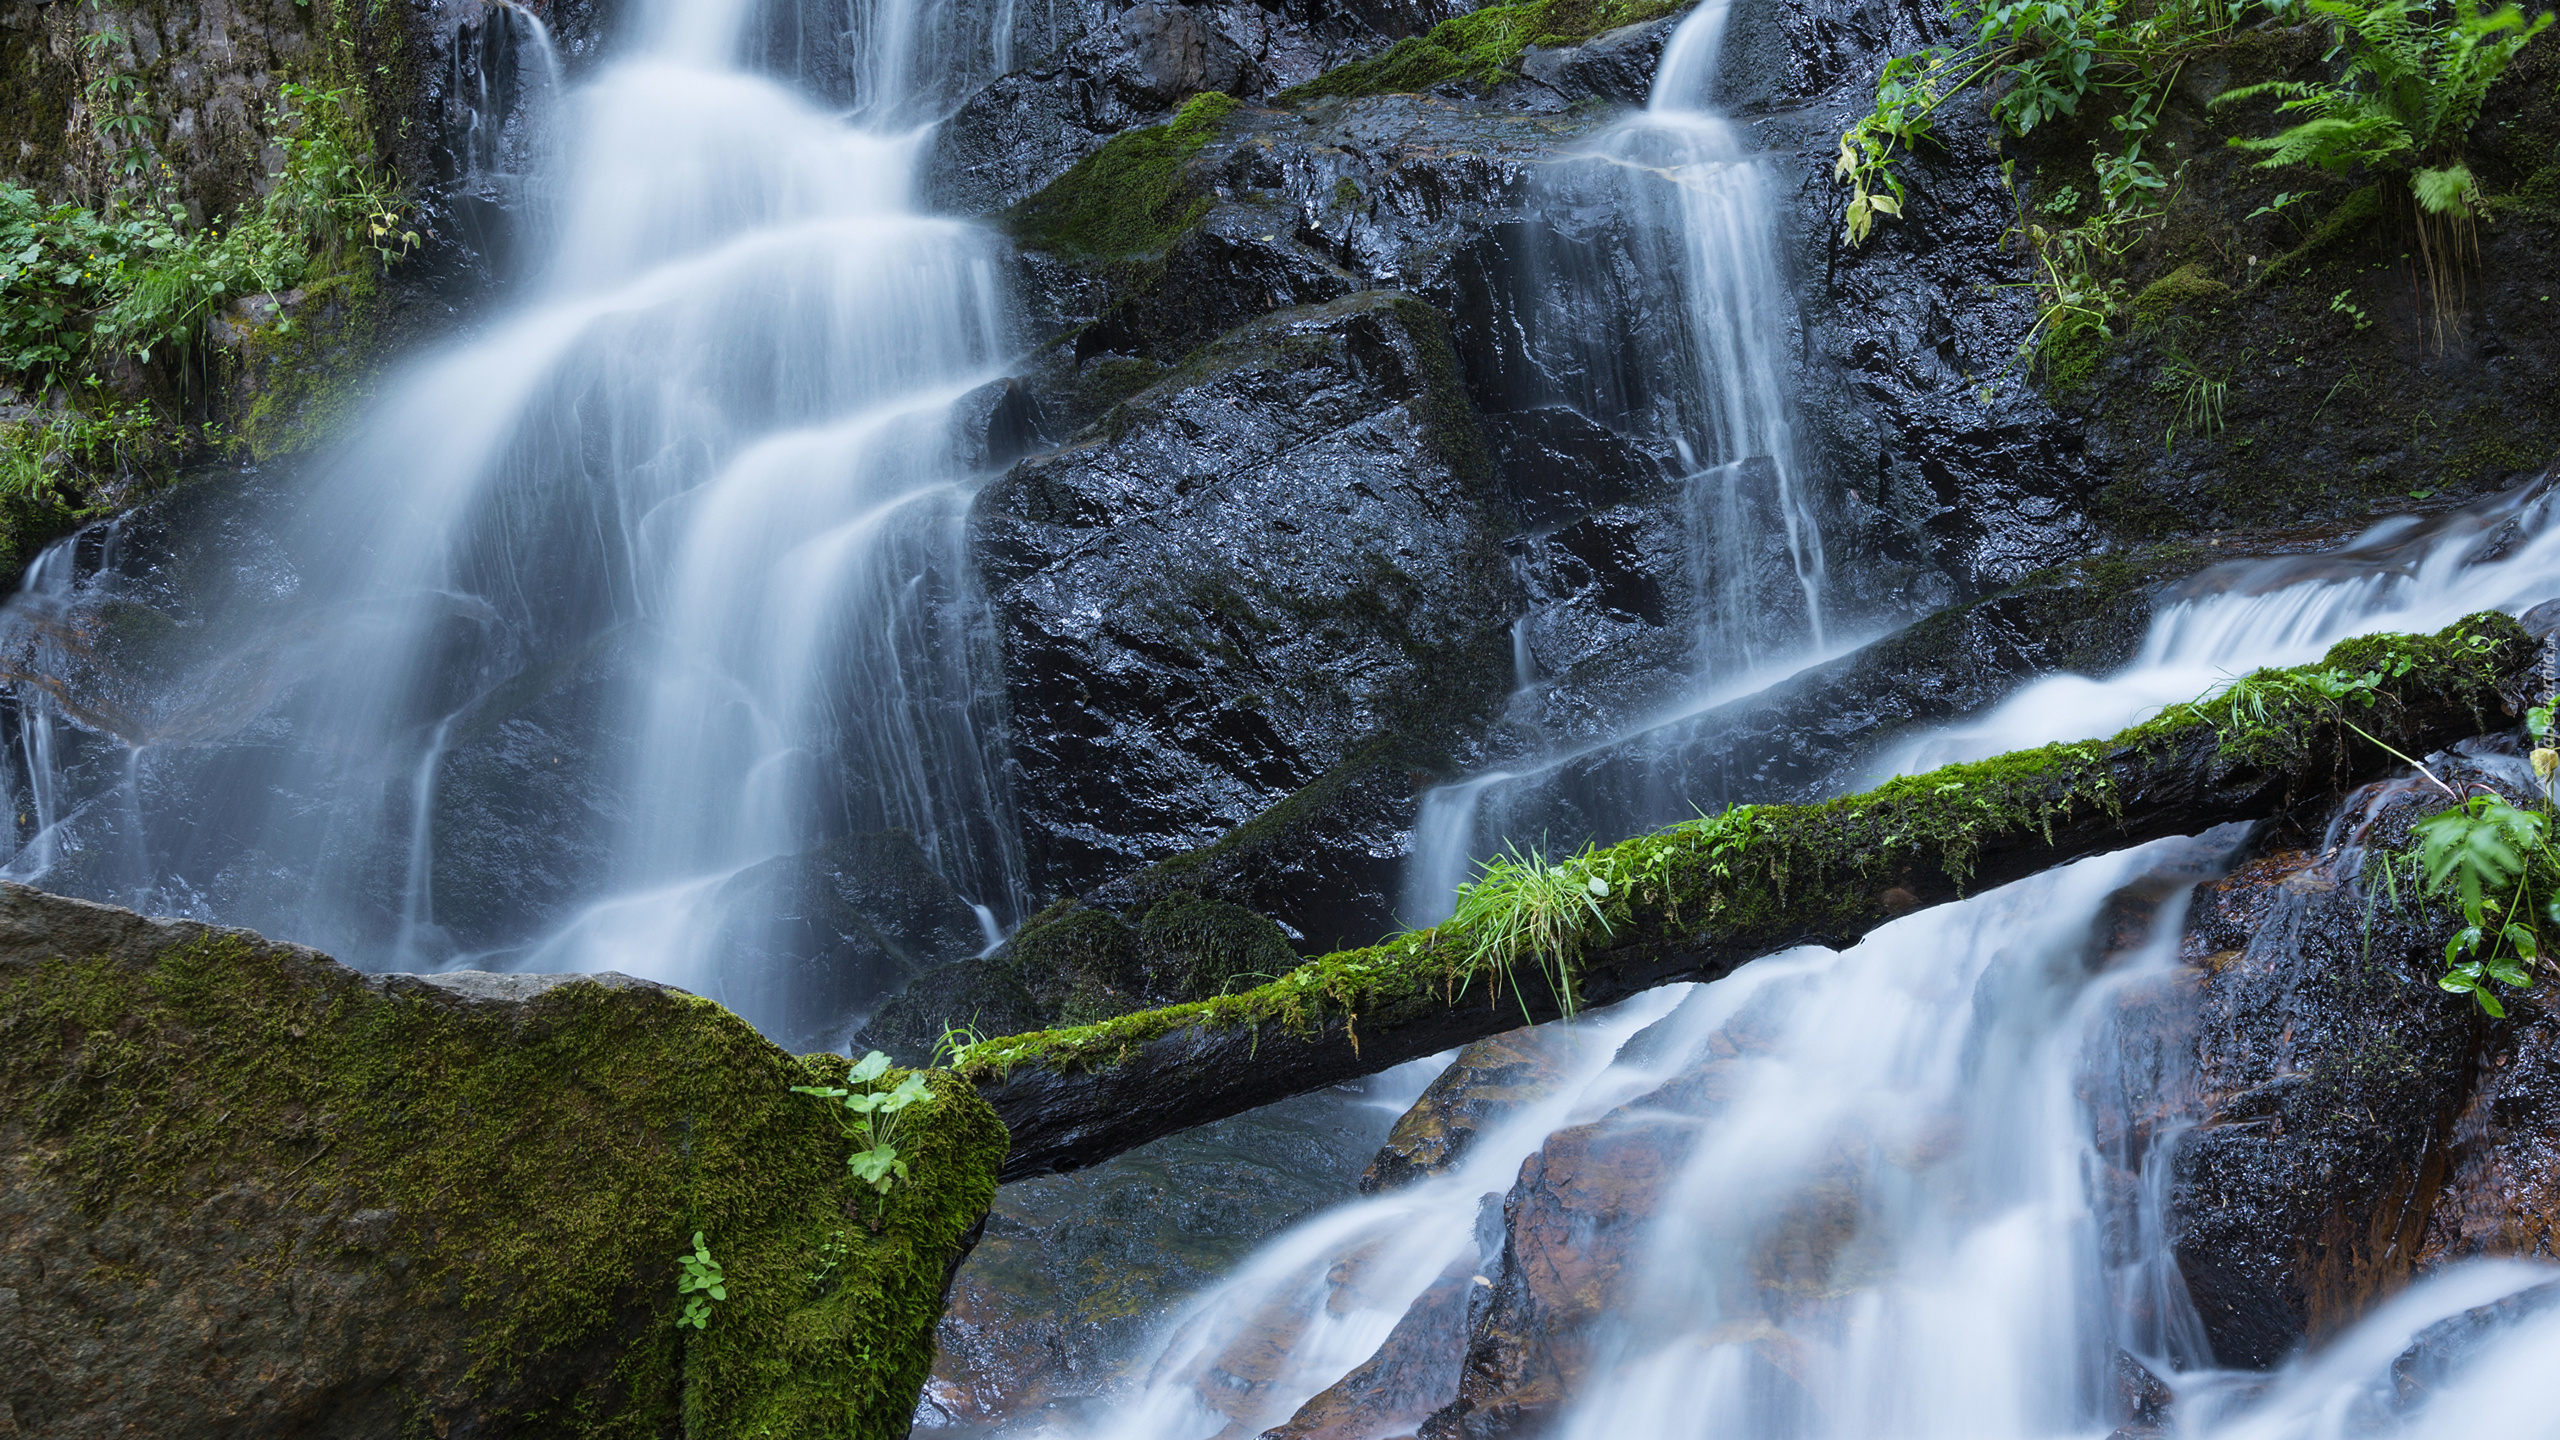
<point x="1489" y="1080"/>
<point x="2501" y="1192"/>
<point x="1414" y="1373"/>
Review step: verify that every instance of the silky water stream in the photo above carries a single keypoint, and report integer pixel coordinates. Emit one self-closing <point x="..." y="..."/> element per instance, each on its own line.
<point x="657" y="578"/>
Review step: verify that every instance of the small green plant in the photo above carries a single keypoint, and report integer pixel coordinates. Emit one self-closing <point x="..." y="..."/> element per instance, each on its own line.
<point x="832" y="1253"/>
<point x="2497" y="862"/>
<point x="2200" y="399"/>
<point x="1523" y="909"/>
<point x="2341" y="304"/>
<point x="951" y="1047"/>
<point x="698" y="1283"/>
<point x="870" y="1118"/>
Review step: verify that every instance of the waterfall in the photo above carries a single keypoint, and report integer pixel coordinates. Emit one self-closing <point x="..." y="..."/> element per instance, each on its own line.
<point x="1708" y="383"/>
<point x="701" y="492"/>
<point x="2404" y="574"/>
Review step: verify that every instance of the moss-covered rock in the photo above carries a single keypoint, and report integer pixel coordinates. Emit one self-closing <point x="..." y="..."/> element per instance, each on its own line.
<point x="1481" y="48"/>
<point x="1130" y="197"/>
<point x="251" y="1192"/>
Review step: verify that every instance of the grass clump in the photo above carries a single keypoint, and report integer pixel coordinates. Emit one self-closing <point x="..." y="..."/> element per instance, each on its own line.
<point x="1524" y="909"/>
<point x="1130" y="197"/>
<point x="1483" y="47"/>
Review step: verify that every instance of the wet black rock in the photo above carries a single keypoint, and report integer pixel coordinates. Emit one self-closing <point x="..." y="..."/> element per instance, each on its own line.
<point x="2329" y="1068"/>
<point x="1238" y="578"/>
<point x="1091" y="70"/>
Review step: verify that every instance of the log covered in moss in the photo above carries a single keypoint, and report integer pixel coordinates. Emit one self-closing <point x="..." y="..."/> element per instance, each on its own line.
<point x="1694" y="902"/>
<point x="247" y="1191"/>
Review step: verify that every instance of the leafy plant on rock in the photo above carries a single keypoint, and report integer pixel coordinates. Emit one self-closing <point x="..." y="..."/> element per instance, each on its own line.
<point x="870" y="1116"/>
<point x="698" y="1283"/>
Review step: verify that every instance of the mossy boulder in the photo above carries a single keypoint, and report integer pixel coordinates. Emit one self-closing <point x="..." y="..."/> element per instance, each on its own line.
<point x="245" y="1190"/>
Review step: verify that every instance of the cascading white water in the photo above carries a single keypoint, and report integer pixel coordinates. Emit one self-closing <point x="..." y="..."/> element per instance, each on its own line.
<point x="1713" y="206"/>
<point x="1701" y="215"/>
<point x="1922" y="1191"/>
<point x="716" y="442"/>
<point x="1319" y="1299"/>
<point x="2402" y="575"/>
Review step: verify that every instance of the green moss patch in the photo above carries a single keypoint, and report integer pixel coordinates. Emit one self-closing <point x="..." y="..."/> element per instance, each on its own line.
<point x="1483" y="47"/>
<point x="543" y="1162"/>
<point x="1131" y="197"/>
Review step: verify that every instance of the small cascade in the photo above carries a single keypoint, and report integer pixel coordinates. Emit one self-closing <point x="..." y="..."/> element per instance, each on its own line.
<point x="501" y="90"/>
<point x="2404" y="574"/>
<point x="1322" y="1297"/>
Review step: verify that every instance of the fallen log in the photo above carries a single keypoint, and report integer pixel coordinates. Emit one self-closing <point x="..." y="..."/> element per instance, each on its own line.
<point x="1693" y="902"/>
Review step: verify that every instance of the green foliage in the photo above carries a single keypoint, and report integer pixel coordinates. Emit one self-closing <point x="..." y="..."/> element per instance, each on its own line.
<point x="1482" y="48"/>
<point x="2041" y="59"/>
<point x="871" y="1118"/>
<point x="1130" y="197"/>
<point x="43" y="454"/>
<point x="698" y="1276"/>
<point x="2405" y="101"/>
<point x="2497" y="862"/>
<point x="1523" y="909"/>
<point x="136" y="279"/>
<point x="329" y="187"/>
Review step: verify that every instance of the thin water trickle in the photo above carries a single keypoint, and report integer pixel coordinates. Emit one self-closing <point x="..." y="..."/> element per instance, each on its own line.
<point x="686" y="525"/>
<point x="1700" y="212"/>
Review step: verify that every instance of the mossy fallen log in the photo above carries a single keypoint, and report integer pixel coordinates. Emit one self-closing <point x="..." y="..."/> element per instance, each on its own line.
<point x="246" y="1191"/>
<point x="1695" y="901"/>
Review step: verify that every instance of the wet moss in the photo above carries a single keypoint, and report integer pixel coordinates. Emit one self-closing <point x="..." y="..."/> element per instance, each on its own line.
<point x="1132" y="196"/>
<point x="543" y="1163"/>
<point x="1482" y="48"/>
<point x="1790" y="870"/>
<point x="2184" y="286"/>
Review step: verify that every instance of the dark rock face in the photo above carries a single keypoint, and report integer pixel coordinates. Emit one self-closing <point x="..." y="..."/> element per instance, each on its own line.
<point x="2329" y="1068"/>
<point x="1091" y="70"/>
<point x="1240" y="576"/>
<point x="2501" y="1192"/>
<point x="1076" y="1270"/>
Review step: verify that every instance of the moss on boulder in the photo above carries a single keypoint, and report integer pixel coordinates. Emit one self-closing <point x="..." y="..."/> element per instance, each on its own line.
<point x="1482" y="48"/>
<point x="1132" y="196"/>
<point x="245" y="1190"/>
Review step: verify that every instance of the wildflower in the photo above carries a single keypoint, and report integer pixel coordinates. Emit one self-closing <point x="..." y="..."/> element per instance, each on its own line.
<point x="2545" y="761"/>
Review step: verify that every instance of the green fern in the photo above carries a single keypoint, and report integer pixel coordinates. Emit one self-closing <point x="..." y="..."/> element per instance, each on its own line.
<point x="2406" y="100"/>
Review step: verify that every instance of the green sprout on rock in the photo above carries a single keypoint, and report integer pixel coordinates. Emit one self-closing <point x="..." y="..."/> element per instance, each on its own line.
<point x="698" y="1276"/>
<point x="870" y="1117"/>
